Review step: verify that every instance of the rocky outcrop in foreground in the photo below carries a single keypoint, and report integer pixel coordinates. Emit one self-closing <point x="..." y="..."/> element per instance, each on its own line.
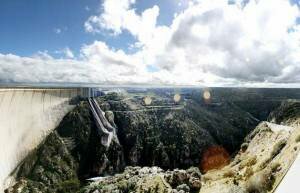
<point x="148" y="179"/>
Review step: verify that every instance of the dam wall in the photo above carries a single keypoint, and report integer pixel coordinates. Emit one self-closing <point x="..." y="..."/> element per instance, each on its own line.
<point x="27" y="115"/>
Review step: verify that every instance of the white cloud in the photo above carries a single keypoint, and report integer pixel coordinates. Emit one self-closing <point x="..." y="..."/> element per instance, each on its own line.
<point x="116" y="64"/>
<point x="118" y="16"/>
<point x="98" y="64"/>
<point x="35" y="69"/>
<point x="27" y="69"/>
<point x="245" y="44"/>
<point x="211" y="43"/>
<point x="115" y="14"/>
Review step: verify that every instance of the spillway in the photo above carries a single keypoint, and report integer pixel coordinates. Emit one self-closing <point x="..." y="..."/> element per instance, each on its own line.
<point x="104" y="127"/>
<point x="27" y="115"/>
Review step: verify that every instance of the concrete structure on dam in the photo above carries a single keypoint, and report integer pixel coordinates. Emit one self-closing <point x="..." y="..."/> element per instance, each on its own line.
<point x="27" y="115"/>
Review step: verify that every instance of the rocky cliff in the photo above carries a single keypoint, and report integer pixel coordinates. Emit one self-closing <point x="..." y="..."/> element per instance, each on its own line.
<point x="264" y="157"/>
<point x="165" y="135"/>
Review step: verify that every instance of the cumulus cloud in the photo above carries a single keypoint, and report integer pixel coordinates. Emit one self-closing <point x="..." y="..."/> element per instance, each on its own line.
<point x="252" y="43"/>
<point x="211" y="41"/>
<point x="40" y="69"/>
<point x="118" y="16"/>
<point x="244" y="42"/>
<point x="113" y="16"/>
<point x="97" y="64"/>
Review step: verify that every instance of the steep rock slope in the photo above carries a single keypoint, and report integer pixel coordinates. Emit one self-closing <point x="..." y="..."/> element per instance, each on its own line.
<point x="264" y="158"/>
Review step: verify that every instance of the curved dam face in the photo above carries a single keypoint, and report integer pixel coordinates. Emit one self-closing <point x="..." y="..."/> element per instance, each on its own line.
<point x="27" y="115"/>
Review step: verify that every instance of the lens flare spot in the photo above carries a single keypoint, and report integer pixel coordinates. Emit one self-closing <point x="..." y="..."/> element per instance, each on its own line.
<point x="147" y="100"/>
<point x="214" y="157"/>
<point x="206" y="95"/>
<point x="177" y="98"/>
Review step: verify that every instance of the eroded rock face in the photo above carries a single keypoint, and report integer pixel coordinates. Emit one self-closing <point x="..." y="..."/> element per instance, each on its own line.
<point x="148" y="180"/>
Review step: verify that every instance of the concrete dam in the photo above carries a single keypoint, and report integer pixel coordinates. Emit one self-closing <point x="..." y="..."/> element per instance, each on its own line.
<point x="27" y="115"/>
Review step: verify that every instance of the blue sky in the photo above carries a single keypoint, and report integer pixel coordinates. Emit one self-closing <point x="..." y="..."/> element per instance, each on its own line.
<point x="30" y="26"/>
<point x="190" y="42"/>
